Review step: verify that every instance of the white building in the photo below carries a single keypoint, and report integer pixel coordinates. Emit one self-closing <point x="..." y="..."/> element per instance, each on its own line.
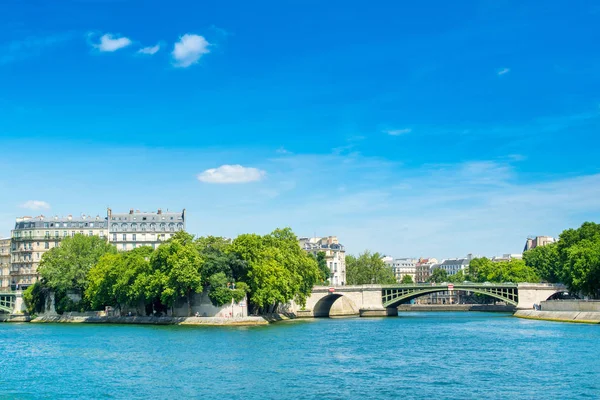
<point x="402" y="266"/>
<point x="33" y="236"/>
<point x="453" y="265"/>
<point x="508" y="257"/>
<point x="335" y="256"/>
<point x="136" y="229"/>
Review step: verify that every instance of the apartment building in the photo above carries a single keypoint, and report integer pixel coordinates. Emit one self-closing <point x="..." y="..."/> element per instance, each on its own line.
<point x="136" y="229"/>
<point x="538" y="241"/>
<point x="33" y="236"/>
<point x="4" y="264"/>
<point x="423" y="269"/>
<point x="335" y="255"/>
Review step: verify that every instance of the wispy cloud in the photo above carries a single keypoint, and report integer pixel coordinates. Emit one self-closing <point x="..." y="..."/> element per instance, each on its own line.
<point x="398" y="132"/>
<point x="503" y="71"/>
<point x="18" y="50"/>
<point x="35" y="205"/>
<point x="282" y="150"/>
<point x="150" y="50"/>
<point x="231" y="174"/>
<point x="188" y="50"/>
<point x="111" y="42"/>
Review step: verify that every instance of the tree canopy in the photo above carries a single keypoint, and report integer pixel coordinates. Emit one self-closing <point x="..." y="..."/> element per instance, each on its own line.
<point x="66" y="267"/>
<point x="573" y="260"/>
<point x="368" y="268"/>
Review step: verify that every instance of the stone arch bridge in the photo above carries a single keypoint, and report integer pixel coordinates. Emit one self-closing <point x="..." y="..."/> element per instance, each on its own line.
<point x="383" y="300"/>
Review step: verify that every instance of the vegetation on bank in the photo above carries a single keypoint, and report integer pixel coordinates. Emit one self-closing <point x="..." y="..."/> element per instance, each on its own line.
<point x="270" y="269"/>
<point x="368" y="268"/>
<point x="573" y="260"/>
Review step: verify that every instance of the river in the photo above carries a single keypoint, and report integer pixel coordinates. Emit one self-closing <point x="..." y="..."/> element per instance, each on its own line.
<point x="418" y="355"/>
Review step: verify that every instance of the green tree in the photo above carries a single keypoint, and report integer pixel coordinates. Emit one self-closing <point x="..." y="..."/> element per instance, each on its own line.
<point x="323" y="268"/>
<point x="406" y="279"/>
<point x="458" y="277"/>
<point x="368" y="268"/>
<point x="66" y="267"/>
<point x="544" y="260"/>
<point x="112" y="281"/>
<point x="176" y="264"/>
<point x="278" y="270"/>
<point x="34" y="298"/>
<point x="438" y="275"/>
<point x="222" y="291"/>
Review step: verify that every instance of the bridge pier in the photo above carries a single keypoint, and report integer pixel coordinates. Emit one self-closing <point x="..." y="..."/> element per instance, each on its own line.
<point x="381" y="312"/>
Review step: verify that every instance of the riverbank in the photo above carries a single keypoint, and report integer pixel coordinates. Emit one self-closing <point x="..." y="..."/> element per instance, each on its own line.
<point x="190" y="321"/>
<point x="14" y="318"/>
<point x="455" y="307"/>
<point x="561" y="316"/>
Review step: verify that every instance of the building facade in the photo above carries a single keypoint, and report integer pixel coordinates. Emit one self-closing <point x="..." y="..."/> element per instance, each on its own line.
<point x="532" y="243"/>
<point x="4" y="264"/>
<point x="335" y="256"/>
<point x="453" y="265"/>
<point x="136" y="229"/>
<point x="423" y="269"/>
<point x="404" y="266"/>
<point x="33" y="236"/>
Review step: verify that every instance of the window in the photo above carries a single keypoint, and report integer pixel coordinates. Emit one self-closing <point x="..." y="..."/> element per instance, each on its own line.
<point x="134" y="237"/>
<point x="47" y="234"/>
<point x="65" y="233"/>
<point x="55" y="233"/>
<point x="114" y="237"/>
<point x="72" y="233"/>
<point x="134" y="227"/>
<point x="91" y="224"/>
<point x="124" y="246"/>
<point x="91" y="233"/>
<point x="124" y="237"/>
<point x="46" y="245"/>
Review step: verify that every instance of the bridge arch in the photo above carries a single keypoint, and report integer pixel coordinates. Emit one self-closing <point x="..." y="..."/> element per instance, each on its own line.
<point x="7" y="303"/>
<point x="335" y="305"/>
<point x="394" y="297"/>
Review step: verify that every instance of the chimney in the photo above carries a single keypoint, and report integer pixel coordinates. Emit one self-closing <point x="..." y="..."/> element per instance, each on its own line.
<point x="131" y="211"/>
<point x="69" y="217"/>
<point x="159" y="211"/>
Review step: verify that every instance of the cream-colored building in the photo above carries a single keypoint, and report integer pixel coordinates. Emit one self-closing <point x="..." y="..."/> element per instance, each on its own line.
<point x="33" y="236"/>
<point x="136" y="229"/>
<point x="335" y="256"/>
<point x="4" y="264"/>
<point x="538" y="241"/>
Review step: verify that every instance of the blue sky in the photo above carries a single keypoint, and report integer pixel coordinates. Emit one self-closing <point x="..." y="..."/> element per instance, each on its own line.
<point x="428" y="128"/>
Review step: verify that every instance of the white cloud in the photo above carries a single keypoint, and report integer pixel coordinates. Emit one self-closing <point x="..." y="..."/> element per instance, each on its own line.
<point x="36" y="205"/>
<point x="282" y="150"/>
<point x="150" y="50"/>
<point x="189" y="49"/>
<point x="110" y="42"/>
<point x="398" y="132"/>
<point x="231" y="174"/>
<point x="503" y="71"/>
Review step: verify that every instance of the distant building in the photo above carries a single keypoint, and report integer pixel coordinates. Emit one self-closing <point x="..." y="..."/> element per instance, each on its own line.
<point x="508" y="257"/>
<point x="4" y="264"/>
<point x="423" y="269"/>
<point x="401" y="267"/>
<point x="136" y="229"/>
<point x="335" y="255"/>
<point x="453" y="265"/>
<point x="32" y="237"/>
<point x="538" y="241"/>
